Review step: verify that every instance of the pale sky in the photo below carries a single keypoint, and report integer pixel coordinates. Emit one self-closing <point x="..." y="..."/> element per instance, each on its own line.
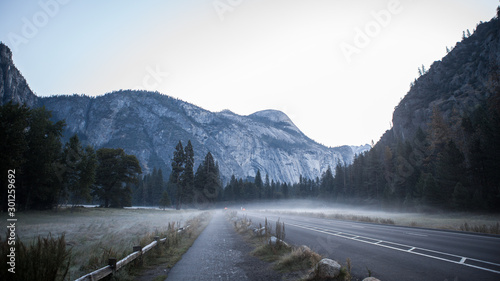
<point x="336" y="68"/>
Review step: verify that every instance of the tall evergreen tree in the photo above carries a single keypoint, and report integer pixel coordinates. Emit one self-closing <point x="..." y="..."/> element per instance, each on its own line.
<point x="267" y="188"/>
<point x="258" y="184"/>
<point x="187" y="177"/>
<point x="207" y="182"/>
<point x="42" y="169"/>
<point x="175" y="177"/>
<point x="13" y="138"/>
<point x="326" y="187"/>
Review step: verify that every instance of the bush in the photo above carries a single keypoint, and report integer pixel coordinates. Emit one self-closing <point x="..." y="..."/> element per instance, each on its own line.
<point x="43" y="259"/>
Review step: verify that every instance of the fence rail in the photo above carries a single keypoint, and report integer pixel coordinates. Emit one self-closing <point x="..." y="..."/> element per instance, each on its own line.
<point x="114" y="265"/>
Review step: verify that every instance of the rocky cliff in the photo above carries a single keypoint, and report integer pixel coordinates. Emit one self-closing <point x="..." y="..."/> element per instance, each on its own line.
<point x="454" y="86"/>
<point x="13" y="86"/>
<point x="150" y="124"/>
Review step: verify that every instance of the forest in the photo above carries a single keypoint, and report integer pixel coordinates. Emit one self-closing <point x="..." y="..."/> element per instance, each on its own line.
<point x="453" y="167"/>
<point x="50" y="174"/>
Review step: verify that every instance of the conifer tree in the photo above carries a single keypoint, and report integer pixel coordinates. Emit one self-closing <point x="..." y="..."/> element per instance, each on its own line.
<point x="187" y="177"/>
<point x="177" y="170"/>
<point x="326" y="187"/>
<point x="258" y="184"/>
<point x="207" y="182"/>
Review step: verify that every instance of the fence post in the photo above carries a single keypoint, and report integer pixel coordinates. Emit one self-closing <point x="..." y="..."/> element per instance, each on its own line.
<point x="157" y="250"/>
<point x="138" y="261"/>
<point x="112" y="264"/>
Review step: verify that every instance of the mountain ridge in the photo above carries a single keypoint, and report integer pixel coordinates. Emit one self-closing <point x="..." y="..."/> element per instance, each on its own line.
<point x="149" y="125"/>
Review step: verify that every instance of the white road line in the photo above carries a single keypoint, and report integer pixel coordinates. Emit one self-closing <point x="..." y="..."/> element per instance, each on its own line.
<point x="406" y="251"/>
<point x="416" y="234"/>
<point x="357" y="226"/>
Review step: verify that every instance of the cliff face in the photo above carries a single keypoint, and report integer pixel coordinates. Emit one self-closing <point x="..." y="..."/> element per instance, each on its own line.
<point x="454" y="86"/>
<point x="13" y="86"/>
<point x="149" y="125"/>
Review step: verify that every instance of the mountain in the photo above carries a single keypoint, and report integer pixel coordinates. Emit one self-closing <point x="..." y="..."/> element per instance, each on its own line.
<point x="454" y="86"/>
<point x="149" y="125"/>
<point x="13" y="86"/>
<point x="444" y="147"/>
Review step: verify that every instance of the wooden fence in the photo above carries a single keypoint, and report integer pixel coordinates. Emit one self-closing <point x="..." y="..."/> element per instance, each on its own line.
<point x="114" y="265"/>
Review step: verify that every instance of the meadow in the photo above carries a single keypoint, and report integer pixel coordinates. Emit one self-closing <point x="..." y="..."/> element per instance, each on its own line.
<point x="95" y="234"/>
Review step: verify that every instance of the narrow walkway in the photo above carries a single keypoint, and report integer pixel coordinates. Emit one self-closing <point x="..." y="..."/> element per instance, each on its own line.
<point x="215" y="255"/>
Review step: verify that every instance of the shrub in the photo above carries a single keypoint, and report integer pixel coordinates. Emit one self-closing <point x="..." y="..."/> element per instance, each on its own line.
<point x="43" y="259"/>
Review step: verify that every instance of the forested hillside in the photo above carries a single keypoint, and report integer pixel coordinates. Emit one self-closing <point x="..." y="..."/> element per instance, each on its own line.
<point x="444" y="147"/>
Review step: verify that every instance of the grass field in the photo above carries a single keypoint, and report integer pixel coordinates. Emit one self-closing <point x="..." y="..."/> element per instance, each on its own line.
<point x="94" y="234"/>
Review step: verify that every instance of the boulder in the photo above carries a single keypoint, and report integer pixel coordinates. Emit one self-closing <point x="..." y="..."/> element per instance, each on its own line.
<point x="259" y="231"/>
<point x="273" y="240"/>
<point x="371" y="279"/>
<point x="327" y="268"/>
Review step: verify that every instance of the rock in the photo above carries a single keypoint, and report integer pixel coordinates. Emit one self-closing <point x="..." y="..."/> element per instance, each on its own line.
<point x="274" y="240"/>
<point x="259" y="231"/>
<point x="371" y="279"/>
<point x="327" y="268"/>
<point x="13" y="86"/>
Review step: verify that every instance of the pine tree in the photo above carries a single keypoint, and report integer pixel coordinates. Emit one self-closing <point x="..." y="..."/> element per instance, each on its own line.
<point x="267" y="188"/>
<point x="207" y="182"/>
<point x="187" y="177"/>
<point x="175" y="177"/>
<point x="70" y="168"/>
<point x="327" y="182"/>
<point x="165" y="200"/>
<point x="450" y="169"/>
<point x="13" y="139"/>
<point x="42" y="169"/>
<point x="258" y="184"/>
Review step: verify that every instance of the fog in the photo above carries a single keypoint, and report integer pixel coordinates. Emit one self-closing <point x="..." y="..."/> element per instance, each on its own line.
<point x="425" y="217"/>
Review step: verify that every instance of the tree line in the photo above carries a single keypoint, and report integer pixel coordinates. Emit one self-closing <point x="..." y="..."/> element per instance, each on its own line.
<point x="189" y="189"/>
<point x="49" y="173"/>
<point x="453" y="164"/>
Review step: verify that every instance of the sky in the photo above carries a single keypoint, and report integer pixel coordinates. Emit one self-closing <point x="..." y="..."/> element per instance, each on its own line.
<point x="337" y="68"/>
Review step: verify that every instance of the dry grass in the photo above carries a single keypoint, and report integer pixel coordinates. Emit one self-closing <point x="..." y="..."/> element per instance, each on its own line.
<point x="300" y="258"/>
<point x="95" y="234"/>
<point x="490" y="229"/>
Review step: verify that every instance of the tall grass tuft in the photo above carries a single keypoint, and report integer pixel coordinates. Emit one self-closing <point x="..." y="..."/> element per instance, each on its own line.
<point x="300" y="258"/>
<point x="491" y="229"/>
<point x="46" y="258"/>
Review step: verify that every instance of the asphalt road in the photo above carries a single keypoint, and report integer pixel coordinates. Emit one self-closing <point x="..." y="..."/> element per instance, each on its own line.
<point x="393" y="252"/>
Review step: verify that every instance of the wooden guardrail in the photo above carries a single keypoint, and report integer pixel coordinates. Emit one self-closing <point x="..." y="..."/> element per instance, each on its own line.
<point x="114" y="265"/>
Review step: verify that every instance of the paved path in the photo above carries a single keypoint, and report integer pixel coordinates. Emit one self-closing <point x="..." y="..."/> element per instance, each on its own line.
<point x="220" y="253"/>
